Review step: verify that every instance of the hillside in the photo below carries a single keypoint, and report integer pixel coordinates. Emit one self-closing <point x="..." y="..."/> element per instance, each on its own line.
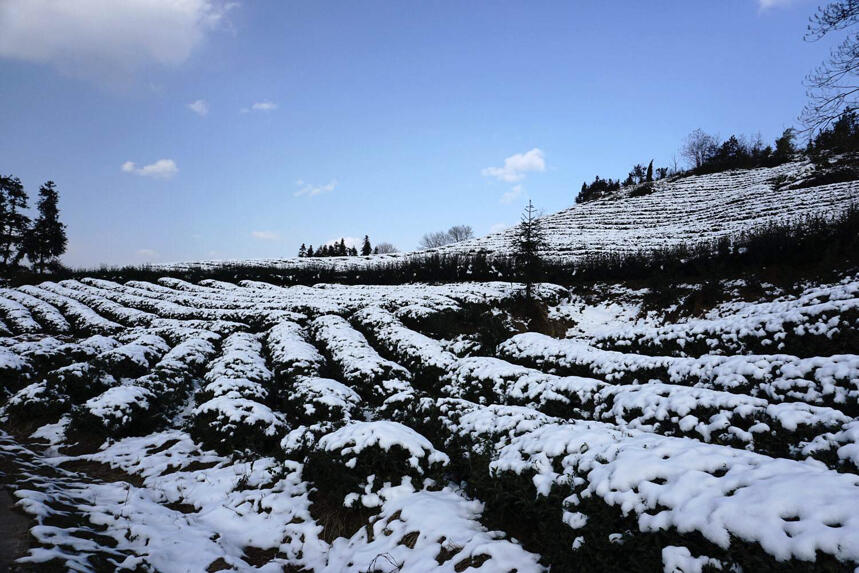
<point x="681" y="210"/>
<point x="173" y="426"/>
<point x="684" y="210"/>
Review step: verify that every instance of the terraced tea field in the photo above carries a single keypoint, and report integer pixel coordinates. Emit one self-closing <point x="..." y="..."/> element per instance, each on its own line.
<point x="173" y="426"/>
<point x="686" y="210"/>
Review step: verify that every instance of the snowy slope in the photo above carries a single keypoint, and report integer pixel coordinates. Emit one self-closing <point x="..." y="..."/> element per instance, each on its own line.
<point x="679" y="211"/>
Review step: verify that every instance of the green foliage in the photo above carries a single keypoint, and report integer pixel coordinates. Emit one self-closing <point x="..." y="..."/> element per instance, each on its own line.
<point x="527" y="244"/>
<point x="14" y="223"/>
<point x="597" y="189"/>
<point x="46" y="240"/>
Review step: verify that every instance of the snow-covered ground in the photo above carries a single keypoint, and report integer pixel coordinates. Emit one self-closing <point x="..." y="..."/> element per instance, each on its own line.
<point x="189" y="427"/>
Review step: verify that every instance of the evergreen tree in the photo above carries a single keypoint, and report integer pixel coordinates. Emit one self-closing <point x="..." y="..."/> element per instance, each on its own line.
<point x="353" y="252"/>
<point x="784" y="147"/>
<point x="529" y="240"/>
<point x="47" y="239"/>
<point x="310" y="252"/>
<point x="637" y="174"/>
<point x="341" y="248"/>
<point x="302" y="250"/>
<point x="649" y="176"/>
<point x="365" y="248"/>
<point x="14" y="224"/>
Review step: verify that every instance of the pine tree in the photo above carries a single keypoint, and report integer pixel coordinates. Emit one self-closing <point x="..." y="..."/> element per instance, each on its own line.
<point x="302" y="251"/>
<point x="365" y="248"/>
<point x="529" y="240"/>
<point x="649" y="176"/>
<point x="341" y="248"/>
<point x="784" y="147"/>
<point x="310" y="252"/>
<point x="14" y="223"/>
<point x="47" y="239"/>
<point x="353" y="252"/>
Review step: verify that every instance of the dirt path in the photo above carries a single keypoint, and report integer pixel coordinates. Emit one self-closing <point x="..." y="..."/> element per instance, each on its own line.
<point x="14" y="527"/>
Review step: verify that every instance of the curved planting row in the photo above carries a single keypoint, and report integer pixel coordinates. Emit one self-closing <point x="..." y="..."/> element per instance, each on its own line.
<point x="668" y="409"/>
<point x="232" y="414"/>
<point x="598" y="485"/>
<point x="821" y="320"/>
<point x="820" y="380"/>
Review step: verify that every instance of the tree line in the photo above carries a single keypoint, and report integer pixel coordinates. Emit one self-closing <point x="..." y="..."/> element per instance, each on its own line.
<point x="837" y="144"/>
<point x="829" y="118"/>
<point x="637" y="175"/>
<point x="41" y="241"/>
<point x="339" y="249"/>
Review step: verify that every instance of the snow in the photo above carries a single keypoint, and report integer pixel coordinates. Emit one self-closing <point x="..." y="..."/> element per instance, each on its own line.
<point x="680" y="560"/>
<point x="118" y="406"/>
<point x="357" y="360"/>
<point x="235" y="411"/>
<point x="354" y="438"/>
<point x="751" y="499"/>
<point x="290" y="352"/>
<point x="690" y="427"/>
<point x="688" y="210"/>
<point x="830" y="380"/>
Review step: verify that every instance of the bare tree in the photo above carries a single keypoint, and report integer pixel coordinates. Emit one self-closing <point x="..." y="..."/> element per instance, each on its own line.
<point x="834" y="85"/>
<point x="434" y="240"/>
<point x="699" y="147"/>
<point x="385" y="249"/>
<point x="455" y="234"/>
<point x="459" y="233"/>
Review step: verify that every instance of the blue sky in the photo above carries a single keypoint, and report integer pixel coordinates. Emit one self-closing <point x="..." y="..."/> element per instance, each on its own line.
<point x="189" y="129"/>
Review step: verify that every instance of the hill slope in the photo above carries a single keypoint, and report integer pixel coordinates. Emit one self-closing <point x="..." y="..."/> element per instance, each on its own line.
<point x="680" y="210"/>
<point x="684" y="210"/>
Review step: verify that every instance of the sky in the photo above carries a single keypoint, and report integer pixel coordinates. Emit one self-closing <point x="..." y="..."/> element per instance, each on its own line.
<point x="181" y="130"/>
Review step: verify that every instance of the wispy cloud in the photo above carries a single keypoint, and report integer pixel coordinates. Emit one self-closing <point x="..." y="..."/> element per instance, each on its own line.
<point x="161" y="169"/>
<point x="200" y="107"/>
<point x="516" y="167"/>
<point x="314" y="190"/>
<point x="147" y="254"/>
<point x="498" y="227"/>
<point x="262" y="106"/>
<point x="767" y="4"/>
<point x="265" y="235"/>
<point x="510" y="196"/>
<point x="106" y="39"/>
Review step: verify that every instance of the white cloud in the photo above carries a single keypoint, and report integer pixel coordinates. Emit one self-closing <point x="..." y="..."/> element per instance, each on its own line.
<point x="517" y="166"/>
<point x="107" y="38"/>
<point x="147" y="254"/>
<point x="313" y="190"/>
<point x="498" y="227"/>
<point x="161" y="169"/>
<point x="260" y="106"/>
<point x="510" y="196"/>
<point x="200" y="107"/>
<point x="265" y="235"/>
